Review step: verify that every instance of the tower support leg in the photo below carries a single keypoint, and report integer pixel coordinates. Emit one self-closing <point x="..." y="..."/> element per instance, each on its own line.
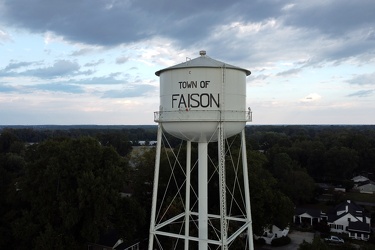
<point x="155" y="189"/>
<point x="222" y="188"/>
<point x="247" y="191"/>
<point x="187" y="193"/>
<point x="202" y="195"/>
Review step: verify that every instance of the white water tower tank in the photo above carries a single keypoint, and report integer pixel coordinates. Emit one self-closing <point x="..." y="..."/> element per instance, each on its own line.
<point x="198" y="94"/>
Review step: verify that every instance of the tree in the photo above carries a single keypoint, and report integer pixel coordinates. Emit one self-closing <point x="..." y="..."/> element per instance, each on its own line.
<point x="70" y="191"/>
<point x="11" y="166"/>
<point x="293" y="180"/>
<point x="317" y="244"/>
<point x="118" y="139"/>
<point x="143" y="178"/>
<point x="268" y="205"/>
<point x="341" y="162"/>
<point x="142" y="183"/>
<point x="298" y="186"/>
<point x="130" y="220"/>
<point x="7" y="141"/>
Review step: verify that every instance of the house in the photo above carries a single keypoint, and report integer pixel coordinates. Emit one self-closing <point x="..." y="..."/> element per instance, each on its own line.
<point x="367" y="187"/>
<point x="347" y="217"/>
<point x="359" y="178"/>
<point x="350" y="218"/>
<point x="273" y="233"/>
<point x="307" y="216"/>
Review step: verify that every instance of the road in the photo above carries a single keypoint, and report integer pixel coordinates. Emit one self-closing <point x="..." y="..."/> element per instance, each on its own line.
<point x="296" y="239"/>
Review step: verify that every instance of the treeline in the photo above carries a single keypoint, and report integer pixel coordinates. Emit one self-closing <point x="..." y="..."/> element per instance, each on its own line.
<point x="328" y="153"/>
<point x="60" y="189"/>
<point x="63" y="193"/>
<point x="35" y="134"/>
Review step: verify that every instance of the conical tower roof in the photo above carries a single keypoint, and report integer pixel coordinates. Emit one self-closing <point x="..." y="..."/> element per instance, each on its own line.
<point x="203" y="61"/>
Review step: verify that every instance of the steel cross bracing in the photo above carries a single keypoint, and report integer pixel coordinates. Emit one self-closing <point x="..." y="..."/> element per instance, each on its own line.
<point x="221" y="153"/>
<point x="188" y="218"/>
<point x="223" y="200"/>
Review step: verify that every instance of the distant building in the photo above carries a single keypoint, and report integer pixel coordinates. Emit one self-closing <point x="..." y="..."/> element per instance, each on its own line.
<point x="144" y="143"/>
<point x="359" y="179"/>
<point x="367" y="187"/>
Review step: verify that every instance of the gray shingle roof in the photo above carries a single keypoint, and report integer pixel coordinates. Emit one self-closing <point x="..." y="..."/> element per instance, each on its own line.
<point x="315" y="213"/>
<point x="359" y="226"/>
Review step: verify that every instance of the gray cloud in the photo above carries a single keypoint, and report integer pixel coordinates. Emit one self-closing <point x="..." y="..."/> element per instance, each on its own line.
<point x="289" y="72"/>
<point x="362" y="93"/>
<point x="309" y="33"/>
<point x="110" y="23"/>
<point x="115" y="22"/>
<point x="366" y="79"/>
<point x="94" y="63"/>
<point x="105" y="80"/>
<point x="334" y="18"/>
<point x="60" y="68"/>
<point x="131" y="91"/>
<point x="59" y="87"/>
<point x="260" y="77"/>
<point x="82" y="52"/>
<point x="122" y="59"/>
<point x="4" y="37"/>
<point x="327" y="30"/>
<point x="6" y="88"/>
<point x="16" y="65"/>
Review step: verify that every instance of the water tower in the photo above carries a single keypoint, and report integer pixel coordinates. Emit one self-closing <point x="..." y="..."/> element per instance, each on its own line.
<point x="201" y="101"/>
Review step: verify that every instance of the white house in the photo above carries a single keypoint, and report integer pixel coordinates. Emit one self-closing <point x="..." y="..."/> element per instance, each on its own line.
<point x="307" y="216"/>
<point x="347" y="217"/>
<point x="367" y="187"/>
<point x="350" y="218"/>
<point x="359" y="178"/>
<point x="273" y="233"/>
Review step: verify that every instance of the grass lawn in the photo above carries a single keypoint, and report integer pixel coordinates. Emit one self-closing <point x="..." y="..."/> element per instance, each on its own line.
<point x="354" y="196"/>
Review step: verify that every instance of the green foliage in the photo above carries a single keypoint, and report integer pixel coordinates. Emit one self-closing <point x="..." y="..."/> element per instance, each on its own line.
<point x="269" y="206"/>
<point x="116" y="139"/>
<point x="322" y="227"/>
<point x="130" y="218"/>
<point x="65" y="177"/>
<point x="282" y="241"/>
<point x="342" y="158"/>
<point x="260" y="241"/>
<point x="9" y="143"/>
<point x="317" y="244"/>
<point x="11" y="166"/>
<point x="368" y="247"/>
<point x="143" y="178"/>
<point x="70" y="190"/>
<point x="326" y="152"/>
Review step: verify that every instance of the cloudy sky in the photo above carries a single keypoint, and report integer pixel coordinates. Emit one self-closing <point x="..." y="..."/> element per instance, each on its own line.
<point x="94" y="61"/>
